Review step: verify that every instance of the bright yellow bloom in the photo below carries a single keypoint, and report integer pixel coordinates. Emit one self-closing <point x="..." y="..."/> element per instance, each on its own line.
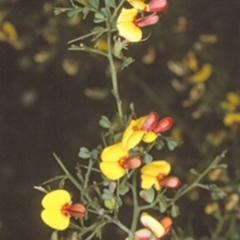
<point x="58" y="209"/>
<point x="231" y="118"/>
<point x="116" y="161"/>
<point x="233" y="98"/>
<point x="145" y="128"/>
<point x="202" y="75"/>
<point x="153" y="173"/>
<point x="129" y="26"/>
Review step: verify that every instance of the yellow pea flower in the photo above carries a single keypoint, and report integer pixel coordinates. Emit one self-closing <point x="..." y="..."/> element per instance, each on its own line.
<point x="154" y="174"/>
<point x="129" y="26"/>
<point x="231" y="118"/>
<point x="202" y="75"/>
<point x="145" y="128"/>
<point x="116" y="161"/>
<point x="154" y="229"/>
<point x="58" y="209"/>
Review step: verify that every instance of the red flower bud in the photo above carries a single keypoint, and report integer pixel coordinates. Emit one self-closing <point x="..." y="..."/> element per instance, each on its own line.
<point x="171" y="182"/>
<point x="132" y="163"/>
<point x="146" y="21"/>
<point x="76" y="210"/>
<point x="157" y="5"/>
<point x="150" y="122"/>
<point x="163" y="125"/>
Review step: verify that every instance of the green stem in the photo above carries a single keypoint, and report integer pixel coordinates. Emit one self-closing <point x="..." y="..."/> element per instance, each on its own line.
<point x="184" y="190"/>
<point x="113" y="70"/>
<point x="84" y="48"/>
<point x="116" y="10"/>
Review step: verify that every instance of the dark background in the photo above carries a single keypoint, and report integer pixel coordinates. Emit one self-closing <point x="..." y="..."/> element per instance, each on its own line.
<point x="60" y="118"/>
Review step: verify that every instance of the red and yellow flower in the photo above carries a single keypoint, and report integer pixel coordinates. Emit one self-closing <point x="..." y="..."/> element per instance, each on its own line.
<point x="129" y="26"/>
<point x="154" y="175"/>
<point x="116" y="161"/>
<point x="154" y="229"/>
<point x="58" y="209"/>
<point x="145" y="128"/>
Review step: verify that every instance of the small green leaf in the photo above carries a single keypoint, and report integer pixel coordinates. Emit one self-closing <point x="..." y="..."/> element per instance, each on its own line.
<point x="84" y="153"/>
<point x="172" y="144"/>
<point x="106" y="181"/>
<point x="110" y="3"/>
<point x="222" y="165"/>
<point x="162" y="203"/>
<point x="174" y="211"/>
<point x="105" y="12"/>
<point x="126" y="62"/>
<point x="57" y="11"/>
<point x="94" y="154"/>
<point x="98" y="17"/>
<point x="94" y="3"/>
<point x="147" y="158"/>
<point x="107" y="194"/>
<point x="73" y="14"/>
<point x="61" y="183"/>
<point x="123" y="189"/>
<point x="54" y="236"/>
<point x="148" y="195"/>
<point x="85" y="12"/>
<point x="104" y="122"/>
<point x="159" y="144"/>
<point x="194" y="172"/>
<point x="110" y="203"/>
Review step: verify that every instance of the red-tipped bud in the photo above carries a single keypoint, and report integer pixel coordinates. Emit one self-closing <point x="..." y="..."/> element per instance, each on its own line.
<point x="171" y="182"/>
<point x="151" y="121"/>
<point x="157" y="5"/>
<point x="167" y="223"/>
<point x="112" y="186"/>
<point x="76" y="210"/>
<point x="146" y="21"/>
<point x="132" y="163"/>
<point x="163" y="125"/>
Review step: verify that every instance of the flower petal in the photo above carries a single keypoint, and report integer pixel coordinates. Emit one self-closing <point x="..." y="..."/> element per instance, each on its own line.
<point x="127" y="27"/>
<point x="143" y="234"/>
<point x="128" y="132"/>
<point x="138" y="4"/>
<point x="167" y="224"/>
<point x="171" y="182"/>
<point x="55" y="219"/>
<point x="156" y="167"/>
<point x="150" y="122"/>
<point x="164" y="125"/>
<point x="76" y="210"/>
<point x="157" y="5"/>
<point x="134" y="139"/>
<point x="114" y="153"/>
<point x="149" y="181"/>
<point x="112" y="170"/>
<point x="56" y="199"/>
<point x="133" y="162"/>
<point x="152" y="224"/>
<point x="150" y="137"/>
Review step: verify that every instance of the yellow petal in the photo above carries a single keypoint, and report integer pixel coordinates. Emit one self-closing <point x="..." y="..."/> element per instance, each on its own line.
<point x="152" y="224"/>
<point x="9" y="31"/>
<point x="202" y="75"/>
<point x="112" y="170"/>
<point x="157" y="167"/>
<point x="138" y="4"/>
<point x="134" y="139"/>
<point x="149" y="181"/>
<point x="150" y="137"/>
<point x="126" y="26"/>
<point x="114" y="153"/>
<point x="55" y="219"/>
<point x="140" y="122"/>
<point x="56" y="199"/>
<point x="231" y="118"/>
<point x="233" y="98"/>
<point x="128" y="132"/>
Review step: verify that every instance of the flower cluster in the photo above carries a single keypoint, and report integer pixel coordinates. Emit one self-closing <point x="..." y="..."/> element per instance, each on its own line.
<point x="129" y="26"/>
<point x="232" y="108"/>
<point x="116" y="160"/>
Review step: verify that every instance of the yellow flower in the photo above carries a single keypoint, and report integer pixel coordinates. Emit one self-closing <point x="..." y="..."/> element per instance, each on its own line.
<point x="154" y="229"/>
<point x="129" y="26"/>
<point x="231" y="118"/>
<point x="145" y="128"/>
<point x="58" y="209"/>
<point x="152" y="6"/>
<point x="202" y="75"/>
<point x="211" y="208"/>
<point x="233" y="100"/>
<point x="153" y="173"/>
<point x="116" y="161"/>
